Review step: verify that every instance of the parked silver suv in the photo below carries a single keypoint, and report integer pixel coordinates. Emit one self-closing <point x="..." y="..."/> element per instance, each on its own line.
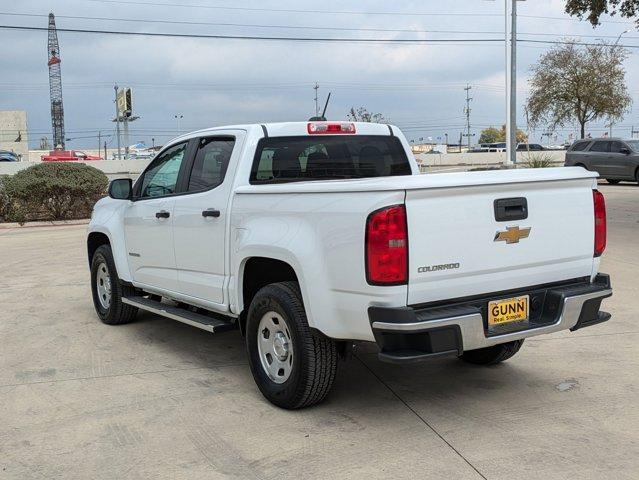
<point x="614" y="159"/>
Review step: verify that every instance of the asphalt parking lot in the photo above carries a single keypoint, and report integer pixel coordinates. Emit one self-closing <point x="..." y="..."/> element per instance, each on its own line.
<point x="159" y="399"/>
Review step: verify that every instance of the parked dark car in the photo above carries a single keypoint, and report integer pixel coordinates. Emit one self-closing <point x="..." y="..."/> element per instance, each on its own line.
<point x="614" y="159"/>
<point x="7" y="156"/>
<point x="532" y="147"/>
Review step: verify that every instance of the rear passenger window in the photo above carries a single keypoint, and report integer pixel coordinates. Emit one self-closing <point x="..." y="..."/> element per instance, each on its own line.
<point x="210" y="164"/>
<point x="294" y="159"/>
<point x="600" y="147"/>
<point x="579" y="146"/>
<point x="615" y="147"/>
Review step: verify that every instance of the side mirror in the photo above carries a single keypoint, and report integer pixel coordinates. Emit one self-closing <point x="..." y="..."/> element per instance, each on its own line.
<point x="624" y="150"/>
<point x="121" y="189"/>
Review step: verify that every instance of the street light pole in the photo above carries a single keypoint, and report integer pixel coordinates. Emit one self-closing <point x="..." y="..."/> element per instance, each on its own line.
<point x="117" y="121"/>
<point x="177" y="120"/>
<point x="620" y="35"/>
<point x="511" y="120"/>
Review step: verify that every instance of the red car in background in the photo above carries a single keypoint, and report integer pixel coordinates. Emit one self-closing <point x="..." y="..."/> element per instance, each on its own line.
<point x="67" y="156"/>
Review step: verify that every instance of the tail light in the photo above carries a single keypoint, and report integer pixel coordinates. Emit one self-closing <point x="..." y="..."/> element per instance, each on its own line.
<point x="387" y="246"/>
<point x="323" y="128"/>
<point x="600" y="222"/>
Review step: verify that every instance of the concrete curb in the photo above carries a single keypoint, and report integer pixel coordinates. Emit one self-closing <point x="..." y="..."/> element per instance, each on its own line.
<point x="56" y="223"/>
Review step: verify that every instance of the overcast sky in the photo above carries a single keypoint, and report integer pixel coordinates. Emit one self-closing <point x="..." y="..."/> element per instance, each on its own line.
<point x="218" y="81"/>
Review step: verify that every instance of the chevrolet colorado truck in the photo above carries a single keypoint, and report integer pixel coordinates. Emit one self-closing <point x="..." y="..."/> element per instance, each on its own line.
<point x="309" y="237"/>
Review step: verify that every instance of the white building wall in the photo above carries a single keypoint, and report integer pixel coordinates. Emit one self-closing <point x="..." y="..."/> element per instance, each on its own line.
<point x="13" y="126"/>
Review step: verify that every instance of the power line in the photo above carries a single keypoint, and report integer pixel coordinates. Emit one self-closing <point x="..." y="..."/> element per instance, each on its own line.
<point x="296" y="27"/>
<point x="254" y="25"/>
<point x="406" y="41"/>
<point x="290" y="10"/>
<point x="544" y="17"/>
<point x="416" y="41"/>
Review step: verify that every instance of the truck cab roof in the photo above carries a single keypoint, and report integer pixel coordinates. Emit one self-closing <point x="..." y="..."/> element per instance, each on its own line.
<point x="292" y="129"/>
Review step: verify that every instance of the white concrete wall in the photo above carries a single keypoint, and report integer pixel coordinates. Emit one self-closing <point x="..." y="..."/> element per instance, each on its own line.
<point x="13" y="123"/>
<point x="133" y="168"/>
<point x="112" y="168"/>
<point x="483" y="158"/>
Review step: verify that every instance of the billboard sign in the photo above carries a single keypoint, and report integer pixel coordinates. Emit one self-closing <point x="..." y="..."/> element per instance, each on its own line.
<point x="124" y="102"/>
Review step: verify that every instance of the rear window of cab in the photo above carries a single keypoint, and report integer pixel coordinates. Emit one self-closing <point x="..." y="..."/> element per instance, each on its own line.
<point x="331" y="157"/>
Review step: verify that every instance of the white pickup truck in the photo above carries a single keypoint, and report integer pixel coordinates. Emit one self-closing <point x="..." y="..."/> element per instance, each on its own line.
<point x="309" y="237"/>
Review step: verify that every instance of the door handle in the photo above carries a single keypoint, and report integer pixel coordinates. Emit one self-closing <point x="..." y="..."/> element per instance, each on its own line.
<point x="162" y="214"/>
<point x="211" y="212"/>
<point x="509" y="209"/>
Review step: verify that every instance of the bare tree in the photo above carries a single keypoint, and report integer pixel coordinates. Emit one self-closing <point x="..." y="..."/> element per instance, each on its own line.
<point x="593" y="9"/>
<point x="578" y="83"/>
<point x="363" y="115"/>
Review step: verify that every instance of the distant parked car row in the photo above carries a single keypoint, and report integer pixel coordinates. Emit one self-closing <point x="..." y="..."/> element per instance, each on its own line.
<point x="501" y="147"/>
<point x="615" y="159"/>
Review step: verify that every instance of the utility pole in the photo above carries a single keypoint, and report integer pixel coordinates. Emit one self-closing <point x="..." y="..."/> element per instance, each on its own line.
<point x="511" y="73"/>
<point x="105" y="151"/>
<point x="468" y="88"/>
<point x="117" y="121"/>
<point x="178" y="117"/>
<point x="633" y="131"/>
<point x="316" y="88"/>
<point x="99" y="142"/>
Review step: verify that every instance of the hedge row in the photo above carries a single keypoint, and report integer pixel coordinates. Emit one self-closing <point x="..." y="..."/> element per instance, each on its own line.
<point x="51" y="191"/>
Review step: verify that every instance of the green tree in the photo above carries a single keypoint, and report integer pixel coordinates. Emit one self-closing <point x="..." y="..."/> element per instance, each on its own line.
<point x="491" y="135"/>
<point x="363" y="115"/>
<point x="495" y="135"/>
<point x="573" y="83"/>
<point x="593" y="9"/>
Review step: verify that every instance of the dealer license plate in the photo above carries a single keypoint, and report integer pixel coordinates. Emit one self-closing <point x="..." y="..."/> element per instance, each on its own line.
<point x="508" y="310"/>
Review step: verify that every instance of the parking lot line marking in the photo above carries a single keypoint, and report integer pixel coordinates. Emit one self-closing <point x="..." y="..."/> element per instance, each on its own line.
<point x="422" y="419"/>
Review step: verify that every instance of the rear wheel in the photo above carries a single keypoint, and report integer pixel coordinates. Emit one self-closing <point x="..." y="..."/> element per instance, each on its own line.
<point x="612" y="182"/>
<point x="108" y="291"/>
<point x="492" y="355"/>
<point x="293" y="365"/>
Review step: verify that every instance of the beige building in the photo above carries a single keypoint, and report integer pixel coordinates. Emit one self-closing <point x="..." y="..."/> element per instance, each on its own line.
<point x="13" y="132"/>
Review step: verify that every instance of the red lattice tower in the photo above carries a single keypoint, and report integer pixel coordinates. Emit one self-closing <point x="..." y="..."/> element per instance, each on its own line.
<point x="55" y="85"/>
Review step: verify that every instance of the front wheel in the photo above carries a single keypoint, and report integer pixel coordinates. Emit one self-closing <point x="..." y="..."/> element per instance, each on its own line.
<point x="108" y="291"/>
<point x="492" y="355"/>
<point x="293" y="365"/>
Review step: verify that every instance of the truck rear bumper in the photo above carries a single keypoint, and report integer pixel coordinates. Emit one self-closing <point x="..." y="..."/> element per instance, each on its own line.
<point x="411" y="334"/>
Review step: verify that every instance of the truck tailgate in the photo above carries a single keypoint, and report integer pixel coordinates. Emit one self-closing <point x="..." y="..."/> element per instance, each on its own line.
<point x="454" y="245"/>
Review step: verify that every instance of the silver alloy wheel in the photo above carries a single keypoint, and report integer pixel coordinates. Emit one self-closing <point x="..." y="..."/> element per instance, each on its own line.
<point x="275" y="347"/>
<point x="103" y="284"/>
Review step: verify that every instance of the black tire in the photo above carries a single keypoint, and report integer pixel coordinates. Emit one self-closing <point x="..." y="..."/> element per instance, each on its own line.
<point x="117" y="312"/>
<point x="612" y="182"/>
<point x="492" y="355"/>
<point x="314" y="358"/>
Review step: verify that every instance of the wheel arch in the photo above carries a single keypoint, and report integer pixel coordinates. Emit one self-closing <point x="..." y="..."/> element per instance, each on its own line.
<point x="94" y="241"/>
<point x="100" y="235"/>
<point x="256" y="272"/>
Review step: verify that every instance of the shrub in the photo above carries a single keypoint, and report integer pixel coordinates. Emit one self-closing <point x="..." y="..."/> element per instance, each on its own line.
<point x="54" y="191"/>
<point x="4" y="198"/>
<point x="538" y="160"/>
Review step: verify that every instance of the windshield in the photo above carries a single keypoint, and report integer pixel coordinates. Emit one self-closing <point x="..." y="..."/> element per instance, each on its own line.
<point x="296" y="159"/>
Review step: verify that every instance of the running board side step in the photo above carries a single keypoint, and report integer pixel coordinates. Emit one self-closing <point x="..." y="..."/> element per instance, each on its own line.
<point x="205" y="322"/>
